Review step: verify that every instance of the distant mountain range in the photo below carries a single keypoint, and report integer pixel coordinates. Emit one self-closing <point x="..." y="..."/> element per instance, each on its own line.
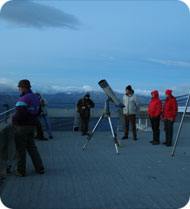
<point x="55" y="100"/>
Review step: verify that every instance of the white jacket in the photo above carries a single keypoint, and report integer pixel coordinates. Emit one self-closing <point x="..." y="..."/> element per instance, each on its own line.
<point x="131" y="104"/>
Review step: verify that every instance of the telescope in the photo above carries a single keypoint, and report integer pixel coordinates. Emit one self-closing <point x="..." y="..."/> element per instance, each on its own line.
<point x="111" y="98"/>
<point x="109" y="92"/>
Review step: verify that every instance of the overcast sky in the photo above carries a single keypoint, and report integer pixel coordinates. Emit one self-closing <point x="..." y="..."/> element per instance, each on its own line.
<point x="71" y="45"/>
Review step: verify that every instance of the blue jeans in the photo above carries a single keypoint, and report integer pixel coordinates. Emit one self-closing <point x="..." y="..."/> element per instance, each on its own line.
<point x="47" y="123"/>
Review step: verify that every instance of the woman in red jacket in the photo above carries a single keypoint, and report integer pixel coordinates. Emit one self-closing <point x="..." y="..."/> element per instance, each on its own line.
<point x="169" y="115"/>
<point x="154" y="111"/>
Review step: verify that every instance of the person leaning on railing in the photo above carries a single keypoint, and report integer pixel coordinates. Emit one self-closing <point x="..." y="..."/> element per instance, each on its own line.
<point x="43" y="114"/>
<point x="24" y="121"/>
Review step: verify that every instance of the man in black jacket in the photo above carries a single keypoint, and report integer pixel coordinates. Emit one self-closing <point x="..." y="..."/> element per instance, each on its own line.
<point x="83" y="107"/>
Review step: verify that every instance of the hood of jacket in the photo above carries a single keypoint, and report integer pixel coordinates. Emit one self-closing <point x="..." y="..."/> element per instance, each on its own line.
<point x="156" y="94"/>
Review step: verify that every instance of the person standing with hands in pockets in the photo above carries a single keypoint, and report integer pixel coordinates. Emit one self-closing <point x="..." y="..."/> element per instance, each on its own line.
<point x="169" y="114"/>
<point x="154" y="111"/>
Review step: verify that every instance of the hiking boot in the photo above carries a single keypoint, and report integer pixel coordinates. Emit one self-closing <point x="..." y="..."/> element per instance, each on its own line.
<point x="19" y="174"/>
<point x="51" y="137"/>
<point x="43" y="139"/>
<point x="135" y="138"/>
<point x="41" y="171"/>
<point x="164" y="143"/>
<point x="151" y="141"/>
<point x="155" y="143"/>
<point x="125" y="137"/>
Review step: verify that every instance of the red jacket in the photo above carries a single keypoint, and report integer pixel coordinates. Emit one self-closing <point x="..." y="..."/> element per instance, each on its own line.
<point x="170" y="108"/>
<point x="155" y="106"/>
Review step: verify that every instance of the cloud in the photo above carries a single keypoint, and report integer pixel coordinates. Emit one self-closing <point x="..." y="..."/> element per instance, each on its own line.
<point x="30" y="14"/>
<point x="171" y="63"/>
<point x="87" y="88"/>
<point x="7" y="85"/>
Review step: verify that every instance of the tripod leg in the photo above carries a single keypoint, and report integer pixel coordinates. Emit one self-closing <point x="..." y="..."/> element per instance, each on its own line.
<point x="180" y="127"/>
<point x="92" y="133"/>
<point x="114" y="136"/>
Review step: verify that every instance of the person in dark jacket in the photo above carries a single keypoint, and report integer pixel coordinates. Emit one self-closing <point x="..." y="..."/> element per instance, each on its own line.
<point x="169" y="114"/>
<point x="83" y="107"/>
<point x="154" y="111"/>
<point x="24" y="121"/>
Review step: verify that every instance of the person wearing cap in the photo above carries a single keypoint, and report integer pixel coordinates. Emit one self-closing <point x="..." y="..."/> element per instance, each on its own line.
<point x="83" y="107"/>
<point x="131" y="104"/>
<point x="169" y="114"/>
<point x="43" y="114"/>
<point x="24" y="121"/>
<point x="154" y="111"/>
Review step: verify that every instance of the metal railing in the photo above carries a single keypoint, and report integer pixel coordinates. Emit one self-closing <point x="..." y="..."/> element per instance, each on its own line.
<point x="4" y="116"/>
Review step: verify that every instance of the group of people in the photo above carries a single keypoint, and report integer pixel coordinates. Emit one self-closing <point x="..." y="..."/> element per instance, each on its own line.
<point x="31" y="107"/>
<point x="156" y="113"/>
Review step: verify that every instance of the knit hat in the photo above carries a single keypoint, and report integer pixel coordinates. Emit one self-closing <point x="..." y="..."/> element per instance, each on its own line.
<point x="169" y="92"/>
<point x="87" y="95"/>
<point x="129" y="88"/>
<point x="24" y="84"/>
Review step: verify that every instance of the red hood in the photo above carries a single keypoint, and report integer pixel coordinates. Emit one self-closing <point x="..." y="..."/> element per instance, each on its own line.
<point x="156" y="94"/>
<point x="169" y="92"/>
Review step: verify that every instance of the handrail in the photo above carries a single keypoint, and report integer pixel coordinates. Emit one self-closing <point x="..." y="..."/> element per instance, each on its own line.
<point x="7" y="111"/>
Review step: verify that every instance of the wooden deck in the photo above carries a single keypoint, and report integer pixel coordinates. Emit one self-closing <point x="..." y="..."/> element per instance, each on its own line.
<point x="142" y="176"/>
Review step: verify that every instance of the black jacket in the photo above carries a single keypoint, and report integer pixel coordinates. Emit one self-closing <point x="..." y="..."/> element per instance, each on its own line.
<point x="83" y="107"/>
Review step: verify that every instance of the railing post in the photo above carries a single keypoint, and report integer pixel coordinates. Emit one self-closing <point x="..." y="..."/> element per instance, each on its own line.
<point x="146" y="123"/>
<point x="139" y="123"/>
<point x="6" y="106"/>
<point x="76" y="122"/>
<point x="120" y="121"/>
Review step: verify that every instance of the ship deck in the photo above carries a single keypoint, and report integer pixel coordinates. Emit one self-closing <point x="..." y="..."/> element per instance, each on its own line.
<point x="142" y="176"/>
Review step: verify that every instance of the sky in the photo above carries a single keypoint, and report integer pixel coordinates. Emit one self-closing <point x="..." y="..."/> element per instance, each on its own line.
<point x="71" y="45"/>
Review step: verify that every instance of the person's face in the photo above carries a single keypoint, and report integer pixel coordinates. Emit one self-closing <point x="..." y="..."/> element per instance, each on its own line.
<point x="22" y="89"/>
<point x="167" y="96"/>
<point x="153" y="95"/>
<point x="128" y="92"/>
<point x="86" y="97"/>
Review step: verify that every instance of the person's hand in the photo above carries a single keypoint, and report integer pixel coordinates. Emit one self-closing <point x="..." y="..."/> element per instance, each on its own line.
<point x="172" y="119"/>
<point x="89" y="106"/>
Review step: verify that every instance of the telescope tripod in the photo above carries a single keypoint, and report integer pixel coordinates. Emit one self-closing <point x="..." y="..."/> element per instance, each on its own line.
<point x="105" y="114"/>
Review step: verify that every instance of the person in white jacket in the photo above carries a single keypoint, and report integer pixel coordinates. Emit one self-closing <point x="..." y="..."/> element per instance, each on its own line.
<point x="131" y="104"/>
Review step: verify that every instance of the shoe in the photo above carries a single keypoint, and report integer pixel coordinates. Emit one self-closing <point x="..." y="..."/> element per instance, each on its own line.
<point x="168" y="145"/>
<point x="41" y="171"/>
<point x="164" y="143"/>
<point x="44" y="139"/>
<point x="155" y="143"/>
<point x="135" y="138"/>
<point x="83" y="134"/>
<point x="125" y="137"/>
<point x="51" y="137"/>
<point x="151" y="141"/>
<point x="17" y="173"/>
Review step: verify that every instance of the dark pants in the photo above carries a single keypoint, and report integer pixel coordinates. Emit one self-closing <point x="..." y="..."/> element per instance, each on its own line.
<point x="155" y="122"/>
<point x="84" y="124"/>
<point x="24" y="138"/>
<point x="39" y="130"/>
<point x="132" y="120"/>
<point x="168" y="127"/>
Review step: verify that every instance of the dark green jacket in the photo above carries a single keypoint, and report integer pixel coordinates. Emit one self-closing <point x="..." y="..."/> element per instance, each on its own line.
<point x="83" y="107"/>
